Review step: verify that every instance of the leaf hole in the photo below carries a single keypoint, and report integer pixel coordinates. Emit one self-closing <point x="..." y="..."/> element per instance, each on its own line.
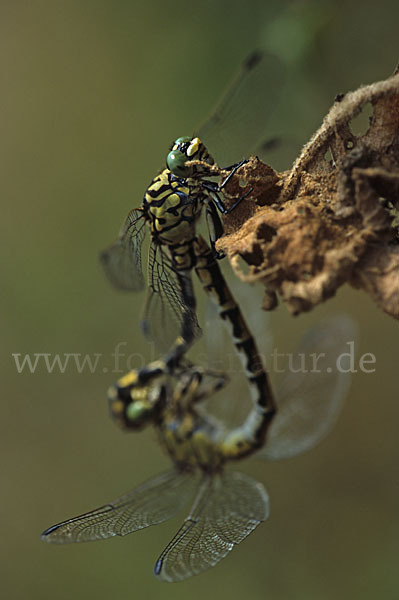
<point x="360" y="124"/>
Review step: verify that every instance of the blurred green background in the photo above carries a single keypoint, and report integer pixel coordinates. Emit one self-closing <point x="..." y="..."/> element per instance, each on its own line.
<point x="92" y="94"/>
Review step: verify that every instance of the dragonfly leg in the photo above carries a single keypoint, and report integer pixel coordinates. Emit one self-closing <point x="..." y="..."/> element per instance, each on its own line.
<point x="213" y="190"/>
<point x="237" y="202"/>
<point x="196" y="384"/>
<point x="209" y="382"/>
<point x="233" y="170"/>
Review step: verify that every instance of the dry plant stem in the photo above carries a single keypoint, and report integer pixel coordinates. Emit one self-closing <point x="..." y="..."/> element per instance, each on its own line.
<point x="306" y="231"/>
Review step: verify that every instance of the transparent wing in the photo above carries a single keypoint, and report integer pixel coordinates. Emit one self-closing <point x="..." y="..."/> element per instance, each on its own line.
<point x="309" y="401"/>
<point x="153" y="502"/>
<point x="239" y="121"/>
<point x="122" y="260"/>
<point x="226" y="510"/>
<point x="169" y="310"/>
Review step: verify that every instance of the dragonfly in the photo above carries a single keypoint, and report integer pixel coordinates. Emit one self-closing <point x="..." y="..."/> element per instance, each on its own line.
<point x="226" y="506"/>
<point x="173" y="203"/>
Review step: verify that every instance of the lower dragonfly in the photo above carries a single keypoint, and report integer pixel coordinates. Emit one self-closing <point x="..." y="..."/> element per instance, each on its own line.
<point x="227" y="505"/>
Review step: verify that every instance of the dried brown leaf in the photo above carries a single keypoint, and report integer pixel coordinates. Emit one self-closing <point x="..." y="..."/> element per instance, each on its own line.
<point x="305" y="232"/>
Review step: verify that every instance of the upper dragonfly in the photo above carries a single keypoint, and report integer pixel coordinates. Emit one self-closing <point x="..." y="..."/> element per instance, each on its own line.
<point x="227" y="505"/>
<point x="173" y="203"/>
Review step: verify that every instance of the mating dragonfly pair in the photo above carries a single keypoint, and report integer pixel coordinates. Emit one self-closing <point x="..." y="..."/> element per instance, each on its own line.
<point x="169" y="393"/>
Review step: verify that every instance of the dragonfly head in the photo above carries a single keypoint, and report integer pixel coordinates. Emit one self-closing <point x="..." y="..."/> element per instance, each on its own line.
<point x="184" y="150"/>
<point x="135" y="405"/>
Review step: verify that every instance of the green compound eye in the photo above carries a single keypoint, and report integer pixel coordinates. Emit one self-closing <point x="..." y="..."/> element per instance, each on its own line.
<point x="176" y="163"/>
<point x="136" y="412"/>
<point x="181" y="140"/>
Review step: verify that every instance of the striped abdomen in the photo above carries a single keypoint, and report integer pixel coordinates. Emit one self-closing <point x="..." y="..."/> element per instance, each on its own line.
<point x="251" y="434"/>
